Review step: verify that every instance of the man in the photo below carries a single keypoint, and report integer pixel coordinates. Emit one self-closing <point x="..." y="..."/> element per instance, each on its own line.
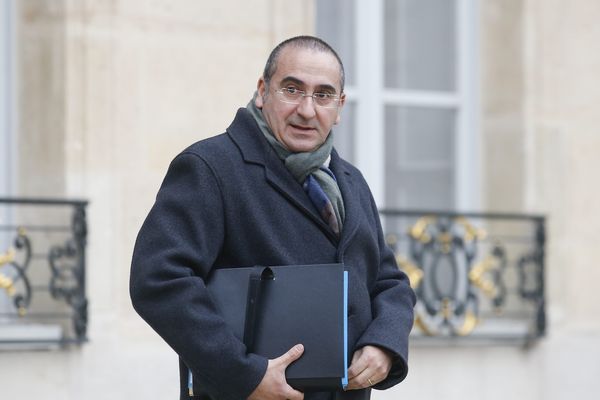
<point x="271" y="191"/>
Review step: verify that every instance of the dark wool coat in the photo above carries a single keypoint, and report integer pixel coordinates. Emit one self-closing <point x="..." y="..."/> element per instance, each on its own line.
<point x="229" y="201"/>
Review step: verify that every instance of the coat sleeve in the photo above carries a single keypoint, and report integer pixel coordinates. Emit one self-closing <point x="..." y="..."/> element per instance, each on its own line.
<point x="175" y="250"/>
<point x="392" y="303"/>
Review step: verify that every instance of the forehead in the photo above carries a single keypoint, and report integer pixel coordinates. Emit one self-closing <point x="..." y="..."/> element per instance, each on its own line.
<point x="314" y="68"/>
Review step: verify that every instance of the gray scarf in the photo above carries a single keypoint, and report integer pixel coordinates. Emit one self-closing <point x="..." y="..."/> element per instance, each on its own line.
<point x="303" y="164"/>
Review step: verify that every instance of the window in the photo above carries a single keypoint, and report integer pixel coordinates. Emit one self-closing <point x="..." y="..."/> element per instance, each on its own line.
<point x="7" y="120"/>
<point x="410" y="119"/>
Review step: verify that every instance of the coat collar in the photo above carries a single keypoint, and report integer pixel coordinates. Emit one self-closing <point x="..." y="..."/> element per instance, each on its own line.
<point x="256" y="150"/>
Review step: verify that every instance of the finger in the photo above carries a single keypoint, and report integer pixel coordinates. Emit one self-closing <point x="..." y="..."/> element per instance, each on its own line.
<point x="290" y="356"/>
<point x="361" y="381"/>
<point x="293" y="394"/>
<point x="359" y="364"/>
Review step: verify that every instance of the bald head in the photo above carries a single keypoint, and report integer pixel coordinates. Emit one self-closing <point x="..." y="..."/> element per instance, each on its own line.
<point x="301" y="42"/>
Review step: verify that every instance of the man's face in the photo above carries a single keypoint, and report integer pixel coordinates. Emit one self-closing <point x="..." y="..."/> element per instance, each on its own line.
<point x="301" y="127"/>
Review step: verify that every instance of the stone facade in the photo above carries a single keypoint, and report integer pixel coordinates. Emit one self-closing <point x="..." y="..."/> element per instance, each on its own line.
<point x="110" y="91"/>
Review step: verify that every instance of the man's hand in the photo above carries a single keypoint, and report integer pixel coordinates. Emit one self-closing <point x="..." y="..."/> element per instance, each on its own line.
<point x="273" y="385"/>
<point x="370" y="365"/>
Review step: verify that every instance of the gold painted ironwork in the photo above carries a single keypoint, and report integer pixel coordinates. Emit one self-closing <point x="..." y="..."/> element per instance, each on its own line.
<point x="446" y="311"/>
<point x="477" y="275"/>
<point x="61" y="246"/>
<point x="478" y="278"/>
<point x="438" y="241"/>
<point x="419" y="230"/>
<point x="471" y="232"/>
<point x="7" y="257"/>
<point x="468" y="325"/>
<point x="445" y="238"/>
<point x="414" y="273"/>
<point x="7" y="284"/>
<point x="419" y="323"/>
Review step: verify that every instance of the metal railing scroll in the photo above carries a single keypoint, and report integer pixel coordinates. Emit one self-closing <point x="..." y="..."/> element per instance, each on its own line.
<point x="42" y="272"/>
<point x="479" y="277"/>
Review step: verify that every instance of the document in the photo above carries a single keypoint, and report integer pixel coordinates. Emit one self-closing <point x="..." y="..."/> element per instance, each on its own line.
<point x="273" y="308"/>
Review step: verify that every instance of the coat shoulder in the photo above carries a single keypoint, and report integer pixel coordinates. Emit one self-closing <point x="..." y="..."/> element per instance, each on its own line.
<point x="215" y="145"/>
<point x="343" y="166"/>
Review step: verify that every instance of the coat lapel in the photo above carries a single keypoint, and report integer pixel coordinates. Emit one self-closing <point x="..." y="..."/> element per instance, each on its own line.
<point x="256" y="150"/>
<point x="282" y="180"/>
<point x="351" y="201"/>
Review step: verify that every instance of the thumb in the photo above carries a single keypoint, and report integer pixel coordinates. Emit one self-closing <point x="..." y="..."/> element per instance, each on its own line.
<point x="291" y="355"/>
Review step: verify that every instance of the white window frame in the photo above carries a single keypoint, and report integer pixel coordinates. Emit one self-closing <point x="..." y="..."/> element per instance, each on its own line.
<point x="8" y="100"/>
<point x="8" y="118"/>
<point x="371" y="97"/>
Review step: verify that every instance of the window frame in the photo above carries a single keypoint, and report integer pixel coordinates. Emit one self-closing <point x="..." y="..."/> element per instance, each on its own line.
<point x="8" y="98"/>
<point x="7" y="119"/>
<point x="370" y="97"/>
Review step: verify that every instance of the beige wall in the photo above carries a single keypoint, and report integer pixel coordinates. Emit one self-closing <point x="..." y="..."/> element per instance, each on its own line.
<point x="502" y="96"/>
<point x="112" y="90"/>
<point x="42" y="104"/>
<point x="541" y="127"/>
<point x="147" y="80"/>
<point x="564" y="136"/>
<point x="541" y="136"/>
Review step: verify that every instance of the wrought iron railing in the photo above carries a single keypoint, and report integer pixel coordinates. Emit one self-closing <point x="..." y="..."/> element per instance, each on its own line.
<point x="479" y="277"/>
<point x="42" y="272"/>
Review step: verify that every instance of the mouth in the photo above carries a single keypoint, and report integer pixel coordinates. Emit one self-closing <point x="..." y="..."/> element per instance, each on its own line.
<point x="303" y="128"/>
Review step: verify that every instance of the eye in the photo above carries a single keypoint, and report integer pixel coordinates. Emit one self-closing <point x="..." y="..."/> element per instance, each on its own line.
<point x="321" y="95"/>
<point x="291" y="90"/>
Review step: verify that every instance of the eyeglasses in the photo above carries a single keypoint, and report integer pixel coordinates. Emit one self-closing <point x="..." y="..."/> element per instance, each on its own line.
<point x="291" y="95"/>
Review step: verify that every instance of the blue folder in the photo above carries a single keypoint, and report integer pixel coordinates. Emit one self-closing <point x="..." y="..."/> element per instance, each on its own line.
<point x="273" y="308"/>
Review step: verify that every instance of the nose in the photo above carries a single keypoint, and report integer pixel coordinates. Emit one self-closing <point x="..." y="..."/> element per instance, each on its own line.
<point x="306" y="108"/>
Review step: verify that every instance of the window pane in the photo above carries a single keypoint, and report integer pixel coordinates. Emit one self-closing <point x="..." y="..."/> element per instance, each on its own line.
<point x="335" y="25"/>
<point x="420" y="50"/>
<point x="6" y="133"/>
<point x="344" y="132"/>
<point x="419" y="157"/>
<point x="419" y="190"/>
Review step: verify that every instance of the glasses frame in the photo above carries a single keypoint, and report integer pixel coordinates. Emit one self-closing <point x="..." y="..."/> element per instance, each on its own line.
<point x="335" y="98"/>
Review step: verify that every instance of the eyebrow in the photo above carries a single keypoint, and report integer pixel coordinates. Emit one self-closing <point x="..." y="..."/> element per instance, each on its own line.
<point x="292" y="79"/>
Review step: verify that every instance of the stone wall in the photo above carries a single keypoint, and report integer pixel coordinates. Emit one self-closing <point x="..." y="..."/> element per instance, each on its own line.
<point x="110" y="92"/>
<point x="541" y="139"/>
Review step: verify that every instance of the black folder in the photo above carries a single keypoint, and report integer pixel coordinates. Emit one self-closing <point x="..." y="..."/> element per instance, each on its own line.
<point x="273" y="308"/>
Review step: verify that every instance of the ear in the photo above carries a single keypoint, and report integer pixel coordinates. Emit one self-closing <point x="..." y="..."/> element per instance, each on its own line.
<point x="261" y="88"/>
<point x="339" y="110"/>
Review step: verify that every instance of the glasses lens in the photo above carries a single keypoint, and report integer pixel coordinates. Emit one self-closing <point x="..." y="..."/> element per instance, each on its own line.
<point x="295" y="96"/>
<point x="324" y="99"/>
<point x="292" y="95"/>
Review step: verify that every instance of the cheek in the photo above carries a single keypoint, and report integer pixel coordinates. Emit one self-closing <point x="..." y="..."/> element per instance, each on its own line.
<point x="275" y="117"/>
<point x="327" y="124"/>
